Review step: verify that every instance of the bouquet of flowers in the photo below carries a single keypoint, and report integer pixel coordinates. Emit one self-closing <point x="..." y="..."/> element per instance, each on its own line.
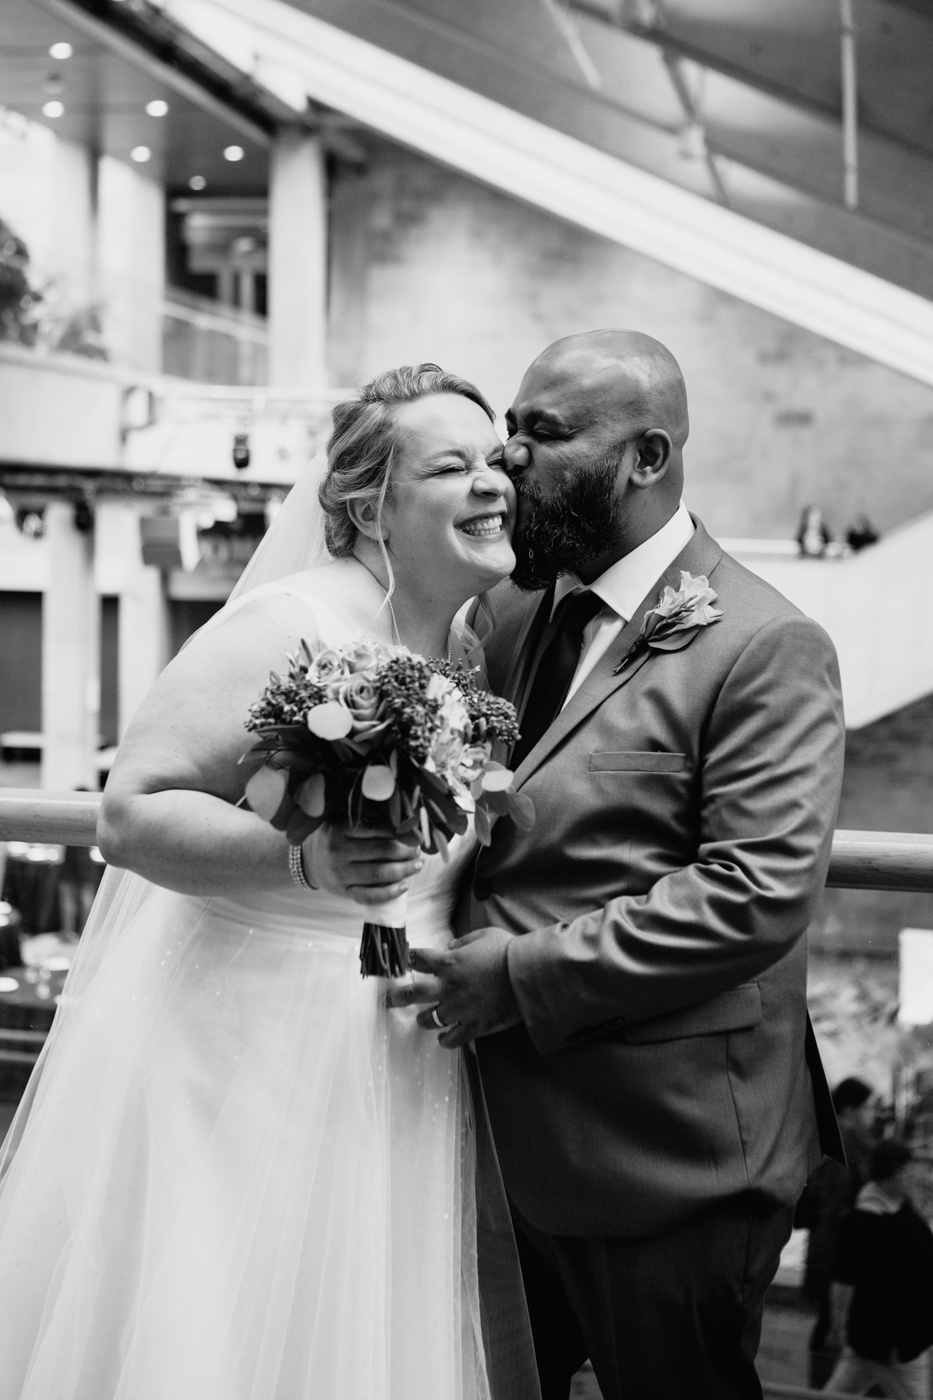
<point x="372" y="735"/>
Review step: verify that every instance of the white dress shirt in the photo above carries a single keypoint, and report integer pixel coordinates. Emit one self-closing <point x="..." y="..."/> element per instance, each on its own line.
<point x="622" y="587"/>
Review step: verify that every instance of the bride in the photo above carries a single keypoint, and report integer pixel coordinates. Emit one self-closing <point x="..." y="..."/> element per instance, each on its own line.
<point x="236" y="1174"/>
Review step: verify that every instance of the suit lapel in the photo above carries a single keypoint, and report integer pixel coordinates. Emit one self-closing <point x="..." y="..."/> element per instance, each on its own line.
<point x="700" y="556"/>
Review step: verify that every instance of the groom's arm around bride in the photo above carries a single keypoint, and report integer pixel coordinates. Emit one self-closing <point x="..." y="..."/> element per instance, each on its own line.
<point x="639" y="957"/>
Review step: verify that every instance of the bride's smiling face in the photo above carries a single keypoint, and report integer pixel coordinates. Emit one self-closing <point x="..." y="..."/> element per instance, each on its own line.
<point x="447" y="519"/>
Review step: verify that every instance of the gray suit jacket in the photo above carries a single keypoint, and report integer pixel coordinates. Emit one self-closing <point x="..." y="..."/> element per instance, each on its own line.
<point x="684" y="814"/>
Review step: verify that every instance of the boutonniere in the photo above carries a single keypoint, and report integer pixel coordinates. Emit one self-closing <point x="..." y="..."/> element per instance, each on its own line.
<point x="676" y="619"/>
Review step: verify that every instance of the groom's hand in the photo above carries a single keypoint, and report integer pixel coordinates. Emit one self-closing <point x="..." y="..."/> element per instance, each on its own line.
<point x="367" y="864"/>
<point x="468" y="983"/>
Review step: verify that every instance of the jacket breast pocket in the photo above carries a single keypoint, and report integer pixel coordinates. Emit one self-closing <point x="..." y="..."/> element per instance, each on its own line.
<point x="738" y="1009"/>
<point x="637" y="761"/>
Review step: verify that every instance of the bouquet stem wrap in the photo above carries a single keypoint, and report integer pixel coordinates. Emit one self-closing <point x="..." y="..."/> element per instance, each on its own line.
<point x="384" y="949"/>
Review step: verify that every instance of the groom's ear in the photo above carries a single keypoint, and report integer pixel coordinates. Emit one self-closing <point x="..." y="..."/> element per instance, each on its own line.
<point x="653" y="452"/>
<point x="363" y="515"/>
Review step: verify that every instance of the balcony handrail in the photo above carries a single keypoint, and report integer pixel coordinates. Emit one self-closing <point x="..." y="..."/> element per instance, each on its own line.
<point x="861" y="860"/>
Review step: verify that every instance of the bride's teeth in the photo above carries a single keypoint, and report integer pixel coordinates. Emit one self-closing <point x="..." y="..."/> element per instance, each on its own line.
<point x="490" y="526"/>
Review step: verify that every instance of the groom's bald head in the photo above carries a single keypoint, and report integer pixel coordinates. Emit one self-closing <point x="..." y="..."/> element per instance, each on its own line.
<point x="597" y="429"/>
<point x="626" y="375"/>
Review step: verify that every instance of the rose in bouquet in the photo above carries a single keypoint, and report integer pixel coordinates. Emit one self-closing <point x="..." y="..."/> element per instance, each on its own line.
<point x="371" y="735"/>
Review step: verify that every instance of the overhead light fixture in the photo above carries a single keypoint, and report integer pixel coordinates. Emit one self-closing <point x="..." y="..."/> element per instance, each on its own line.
<point x="234" y="153"/>
<point x="157" y="107"/>
<point x="197" y="182"/>
<point x="140" y="154"/>
<point x="61" y="51"/>
<point x="53" y="109"/>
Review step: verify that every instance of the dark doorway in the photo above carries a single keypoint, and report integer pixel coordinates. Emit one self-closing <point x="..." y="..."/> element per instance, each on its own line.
<point x="109" y="671"/>
<point x="20" y="662"/>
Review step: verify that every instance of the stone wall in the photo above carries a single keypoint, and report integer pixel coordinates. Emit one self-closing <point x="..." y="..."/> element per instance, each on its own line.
<point x="426" y="264"/>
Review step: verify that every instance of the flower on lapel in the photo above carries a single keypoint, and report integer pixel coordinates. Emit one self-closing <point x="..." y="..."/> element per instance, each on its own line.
<point x="676" y="618"/>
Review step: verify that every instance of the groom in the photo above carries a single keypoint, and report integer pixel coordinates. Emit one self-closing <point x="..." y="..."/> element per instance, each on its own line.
<point x="634" y="976"/>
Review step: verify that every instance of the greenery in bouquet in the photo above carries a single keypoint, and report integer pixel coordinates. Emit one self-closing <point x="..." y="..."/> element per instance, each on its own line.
<point x="371" y="735"/>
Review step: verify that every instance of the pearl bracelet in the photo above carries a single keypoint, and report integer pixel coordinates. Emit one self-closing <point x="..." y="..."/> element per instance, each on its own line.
<point x="296" y="867"/>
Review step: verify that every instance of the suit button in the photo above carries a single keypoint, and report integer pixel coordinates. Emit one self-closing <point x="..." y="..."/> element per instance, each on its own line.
<point x="482" y="888"/>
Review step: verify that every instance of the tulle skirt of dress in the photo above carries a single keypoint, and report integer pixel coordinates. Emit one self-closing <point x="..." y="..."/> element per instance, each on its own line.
<point x="241" y="1177"/>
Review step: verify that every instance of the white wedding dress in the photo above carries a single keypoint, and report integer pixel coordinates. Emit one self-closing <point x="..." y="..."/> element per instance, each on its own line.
<point x="237" y="1175"/>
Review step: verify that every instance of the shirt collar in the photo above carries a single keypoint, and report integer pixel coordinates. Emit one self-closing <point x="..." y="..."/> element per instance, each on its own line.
<point x="625" y="583"/>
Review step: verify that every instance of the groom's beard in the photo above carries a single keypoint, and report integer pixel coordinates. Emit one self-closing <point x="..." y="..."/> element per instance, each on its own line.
<point x="560" y="533"/>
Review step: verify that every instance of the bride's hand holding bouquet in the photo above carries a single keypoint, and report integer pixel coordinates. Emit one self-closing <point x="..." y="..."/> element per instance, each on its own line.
<point x="372" y="736"/>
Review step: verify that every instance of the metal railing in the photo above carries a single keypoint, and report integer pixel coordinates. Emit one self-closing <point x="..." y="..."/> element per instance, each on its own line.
<point x="861" y="860"/>
<point x="66" y="818"/>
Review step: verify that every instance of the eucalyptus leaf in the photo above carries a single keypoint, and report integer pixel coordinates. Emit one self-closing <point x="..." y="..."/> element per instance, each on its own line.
<point x="483" y="826"/>
<point x="265" y="791"/>
<point x="521" y="810"/>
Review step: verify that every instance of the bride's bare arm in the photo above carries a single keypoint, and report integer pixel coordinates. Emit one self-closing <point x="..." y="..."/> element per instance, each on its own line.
<point x="169" y="808"/>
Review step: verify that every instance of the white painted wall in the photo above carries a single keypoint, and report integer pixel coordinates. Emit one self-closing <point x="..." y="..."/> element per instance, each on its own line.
<point x="143" y="645"/>
<point x="24" y="563"/>
<point x="59" y="410"/>
<point x="70" y="654"/>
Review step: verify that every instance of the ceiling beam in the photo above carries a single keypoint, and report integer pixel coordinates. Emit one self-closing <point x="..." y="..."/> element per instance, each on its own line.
<point x="533" y="162"/>
<point x="666" y="39"/>
<point x="447" y="48"/>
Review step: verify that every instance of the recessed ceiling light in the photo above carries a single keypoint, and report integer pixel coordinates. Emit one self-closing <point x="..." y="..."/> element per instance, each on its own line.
<point x="197" y="182"/>
<point x="61" y="50"/>
<point x="140" y="154"/>
<point x="233" y="153"/>
<point x="157" y="108"/>
<point x="53" y="109"/>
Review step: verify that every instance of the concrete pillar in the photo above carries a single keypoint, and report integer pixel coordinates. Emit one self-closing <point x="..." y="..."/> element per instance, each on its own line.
<point x="73" y="198"/>
<point x="143" y="621"/>
<point x="297" y="262"/>
<point x="131" y="263"/>
<point x="49" y="196"/>
<point x="70" y="654"/>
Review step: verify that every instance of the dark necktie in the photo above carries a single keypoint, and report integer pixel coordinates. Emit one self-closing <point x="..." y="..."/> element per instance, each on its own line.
<point x="555" y="669"/>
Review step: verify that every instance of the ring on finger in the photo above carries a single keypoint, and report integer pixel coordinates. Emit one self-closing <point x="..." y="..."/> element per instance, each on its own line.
<point x="441" y="1026"/>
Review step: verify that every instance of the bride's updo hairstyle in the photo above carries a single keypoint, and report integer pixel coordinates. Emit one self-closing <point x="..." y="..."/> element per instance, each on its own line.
<point x="362" y="447"/>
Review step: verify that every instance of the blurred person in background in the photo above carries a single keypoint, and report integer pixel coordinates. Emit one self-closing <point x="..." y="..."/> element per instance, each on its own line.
<point x="882" y="1293"/>
<point x="813" y="533"/>
<point x="861" y="533"/>
<point x="830" y="1196"/>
